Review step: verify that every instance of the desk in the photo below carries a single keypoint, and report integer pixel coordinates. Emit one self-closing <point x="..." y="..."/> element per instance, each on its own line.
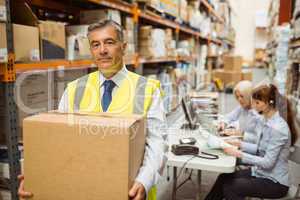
<point x="225" y="163"/>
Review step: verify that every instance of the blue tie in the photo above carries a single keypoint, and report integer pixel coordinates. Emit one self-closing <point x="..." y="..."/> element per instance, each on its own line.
<point x="106" y="98"/>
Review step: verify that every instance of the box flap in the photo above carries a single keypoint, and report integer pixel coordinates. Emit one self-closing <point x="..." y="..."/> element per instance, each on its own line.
<point x="105" y="119"/>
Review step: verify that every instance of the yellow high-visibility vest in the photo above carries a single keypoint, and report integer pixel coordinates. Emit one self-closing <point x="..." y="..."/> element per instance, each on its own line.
<point x="134" y="96"/>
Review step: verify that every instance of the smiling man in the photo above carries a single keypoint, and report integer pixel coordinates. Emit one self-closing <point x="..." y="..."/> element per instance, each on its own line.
<point x="114" y="89"/>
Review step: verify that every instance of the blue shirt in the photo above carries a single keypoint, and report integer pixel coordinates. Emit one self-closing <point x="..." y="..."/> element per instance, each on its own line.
<point x="269" y="156"/>
<point x="244" y="120"/>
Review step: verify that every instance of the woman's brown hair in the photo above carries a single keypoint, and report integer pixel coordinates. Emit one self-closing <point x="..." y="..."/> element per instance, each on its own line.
<point x="269" y="94"/>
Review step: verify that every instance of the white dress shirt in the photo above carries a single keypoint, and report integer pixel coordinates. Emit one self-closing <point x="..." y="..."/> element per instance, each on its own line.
<point x="155" y="156"/>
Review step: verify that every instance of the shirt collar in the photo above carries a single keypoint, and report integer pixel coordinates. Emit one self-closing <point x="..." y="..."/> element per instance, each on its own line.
<point x="117" y="78"/>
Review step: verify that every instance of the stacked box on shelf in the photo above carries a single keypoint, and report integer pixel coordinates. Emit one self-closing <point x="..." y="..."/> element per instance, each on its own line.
<point x="53" y="40"/>
<point x="3" y="43"/>
<point x="183" y="11"/>
<point x="152" y="42"/>
<point x="232" y="72"/>
<point x="170" y="43"/>
<point x="26" y="43"/>
<point x="170" y="7"/>
<point x="2" y="10"/>
<point x="247" y="74"/>
<point x="129" y="36"/>
<point x="51" y="33"/>
<point x="62" y="78"/>
<point x="194" y="16"/>
<point x="282" y="59"/>
<point x="77" y="42"/>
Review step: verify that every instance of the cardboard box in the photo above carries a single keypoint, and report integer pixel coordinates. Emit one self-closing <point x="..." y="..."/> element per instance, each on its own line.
<point x="74" y="156"/>
<point x="3" y="43"/>
<point x="26" y="43"/>
<point x="170" y="7"/>
<point x="94" y="16"/>
<point x="247" y="74"/>
<point x="52" y="34"/>
<point x="228" y="77"/>
<point x="233" y="63"/>
<point x="53" y="40"/>
<point x="2" y="11"/>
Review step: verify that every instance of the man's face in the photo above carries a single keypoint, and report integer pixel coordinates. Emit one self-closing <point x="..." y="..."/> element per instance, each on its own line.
<point x="107" y="50"/>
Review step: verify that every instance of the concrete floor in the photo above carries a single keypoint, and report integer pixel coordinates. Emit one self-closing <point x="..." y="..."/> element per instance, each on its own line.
<point x="187" y="192"/>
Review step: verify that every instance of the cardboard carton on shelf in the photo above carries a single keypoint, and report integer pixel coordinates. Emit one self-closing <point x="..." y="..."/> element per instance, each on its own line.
<point x="53" y="40"/>
<point x="75" y="155"/>
<point x="233" y="63"/>
<point x="51" y="33"/>
<point x="3" y="43"/>
<point x="227" y="77"/>
<point x="247" y="74"/>
<point x="26" y="43"/>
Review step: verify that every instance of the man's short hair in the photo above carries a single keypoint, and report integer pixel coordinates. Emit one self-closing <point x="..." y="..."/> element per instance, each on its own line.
<point x="104" y="23"/>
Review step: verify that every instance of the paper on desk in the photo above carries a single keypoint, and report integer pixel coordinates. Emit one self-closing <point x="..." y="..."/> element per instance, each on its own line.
<point x="215" y="142"/>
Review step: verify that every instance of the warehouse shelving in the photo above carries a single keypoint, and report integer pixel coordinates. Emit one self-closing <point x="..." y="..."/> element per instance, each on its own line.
<point x="8" y="70"/>
<point x="211" y="10"/>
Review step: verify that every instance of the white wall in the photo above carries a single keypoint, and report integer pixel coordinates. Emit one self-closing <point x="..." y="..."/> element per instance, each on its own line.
<point x="243" y="21"/>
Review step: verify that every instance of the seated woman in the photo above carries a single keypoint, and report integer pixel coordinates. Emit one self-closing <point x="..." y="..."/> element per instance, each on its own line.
<point x="268" y="177"/>
<point x="243" y="118"/>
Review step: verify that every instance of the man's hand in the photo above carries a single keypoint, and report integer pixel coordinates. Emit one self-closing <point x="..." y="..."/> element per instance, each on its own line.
<point x="22" y="194"/>
<point x="137" y="192"/>
<point x="233" y="152"/>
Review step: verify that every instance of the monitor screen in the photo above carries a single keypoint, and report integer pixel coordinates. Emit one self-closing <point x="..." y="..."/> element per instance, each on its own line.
<point x="190" y="115"/>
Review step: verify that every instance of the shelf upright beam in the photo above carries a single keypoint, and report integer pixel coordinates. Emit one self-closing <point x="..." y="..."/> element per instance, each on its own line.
<point x="10" y="109"/>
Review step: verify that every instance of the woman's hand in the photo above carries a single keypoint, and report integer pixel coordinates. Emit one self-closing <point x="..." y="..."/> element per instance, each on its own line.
<point x="232" y="131"/>
<point x="234" y="142"/>
<point x="233" y="152"/>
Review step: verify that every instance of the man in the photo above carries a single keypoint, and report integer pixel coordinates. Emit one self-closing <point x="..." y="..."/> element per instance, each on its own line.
<point x="114" y="89"/>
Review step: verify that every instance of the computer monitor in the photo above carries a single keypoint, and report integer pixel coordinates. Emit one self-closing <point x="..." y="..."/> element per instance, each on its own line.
<point x="189" y="112"/>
